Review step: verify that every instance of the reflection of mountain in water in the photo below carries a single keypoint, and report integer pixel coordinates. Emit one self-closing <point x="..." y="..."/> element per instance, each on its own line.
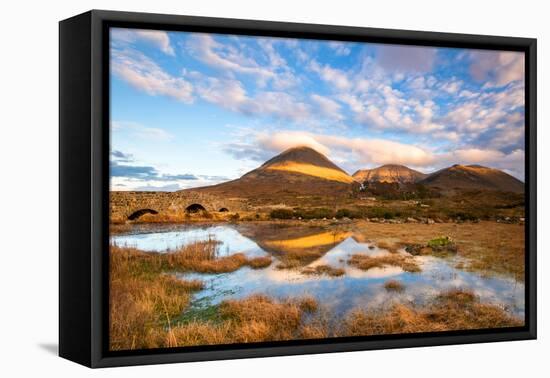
<point x="307" y="243"/>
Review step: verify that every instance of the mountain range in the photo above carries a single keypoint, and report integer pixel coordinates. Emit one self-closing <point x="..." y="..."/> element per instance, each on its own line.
<point x="305" y="171"/>
<point x="389" y="173"/>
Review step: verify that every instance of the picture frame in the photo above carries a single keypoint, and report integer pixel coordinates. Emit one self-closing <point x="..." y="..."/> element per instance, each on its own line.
<point x="84" y="187"/>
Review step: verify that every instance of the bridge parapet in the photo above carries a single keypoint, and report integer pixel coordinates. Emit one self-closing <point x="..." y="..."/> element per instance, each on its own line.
<point x="124" y="204"/>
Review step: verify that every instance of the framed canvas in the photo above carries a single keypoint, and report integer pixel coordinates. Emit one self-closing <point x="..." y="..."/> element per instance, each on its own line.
<point x="235" y="188"/>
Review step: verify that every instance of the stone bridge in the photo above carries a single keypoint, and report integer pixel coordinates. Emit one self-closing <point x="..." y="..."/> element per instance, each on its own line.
<point x="131" y="205"/>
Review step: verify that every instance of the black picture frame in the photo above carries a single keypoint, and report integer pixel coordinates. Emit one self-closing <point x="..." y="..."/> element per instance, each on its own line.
<point x="84" y="191"/>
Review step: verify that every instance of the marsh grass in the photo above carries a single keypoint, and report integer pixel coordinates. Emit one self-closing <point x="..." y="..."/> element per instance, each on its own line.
<point x="200" y="257"/>
<point x="452" y="310"/>
<point x="364" y="262"/>
<point x="296" y="259"/>
<point x="253" y="319"/>
<point x="142" y="299"/>
<point x="486" y="247"/>
<point x="394" y="285"/>
<point x="324" y="270"/>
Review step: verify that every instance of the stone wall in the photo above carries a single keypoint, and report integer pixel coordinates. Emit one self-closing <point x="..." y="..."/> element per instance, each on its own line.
<point x="123" y="204"/>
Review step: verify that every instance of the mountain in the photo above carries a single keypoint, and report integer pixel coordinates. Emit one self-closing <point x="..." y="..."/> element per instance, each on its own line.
<point x="389" y="173"/>
<point x="473" y="177"/>
<point x="298" y="170"/>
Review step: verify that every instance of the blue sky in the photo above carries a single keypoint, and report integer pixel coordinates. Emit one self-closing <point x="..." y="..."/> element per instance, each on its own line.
<point x="193" y="109"/>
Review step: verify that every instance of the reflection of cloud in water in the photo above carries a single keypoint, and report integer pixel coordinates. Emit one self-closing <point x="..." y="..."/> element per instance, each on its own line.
<point x="231" y="241"/>
<point x="386" y="272"/>
<point x="356" y="288"/>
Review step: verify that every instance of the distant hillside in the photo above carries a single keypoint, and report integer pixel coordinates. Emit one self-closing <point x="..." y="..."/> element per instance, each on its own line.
<point x="389" y="173"/>
<point x="473" y="177"/>
<point x="299" y="170"/>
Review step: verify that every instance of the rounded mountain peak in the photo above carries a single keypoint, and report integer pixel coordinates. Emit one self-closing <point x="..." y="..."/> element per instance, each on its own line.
<point x="301" y="155"/>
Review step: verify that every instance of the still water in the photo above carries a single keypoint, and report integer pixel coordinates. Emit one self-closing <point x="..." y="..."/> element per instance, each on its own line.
<point x="356" y="288"/>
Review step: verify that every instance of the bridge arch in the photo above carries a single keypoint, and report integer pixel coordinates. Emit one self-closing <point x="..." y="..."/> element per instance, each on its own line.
<point x="223" y="210"/>
<point x="138" y="213"/>
<point x="195" y="208"/>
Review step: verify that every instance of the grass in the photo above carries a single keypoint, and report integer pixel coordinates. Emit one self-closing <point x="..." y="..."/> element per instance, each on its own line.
<point x="253" y="319"/>
<point x="486" y="247"/>
<point x="461" y="206"/>
<point x="142" y="299"/>
<point x="259" y="318"/>
<point x="394" y="285"/>
<point x="324" y="270"/>
<point x="453" y="310"/>
<point x="200" y="257"/>
<point x="442" y="244"/>
<point x="363" y="262"/>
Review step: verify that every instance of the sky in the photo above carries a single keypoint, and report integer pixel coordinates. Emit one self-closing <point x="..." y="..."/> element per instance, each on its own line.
<point x="196" y="109"/>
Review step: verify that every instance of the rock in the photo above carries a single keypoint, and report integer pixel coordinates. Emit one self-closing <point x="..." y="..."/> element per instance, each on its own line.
<point x="430" y="221"/>
<point x="414" y="249"/>
<point x="411" y="220"/>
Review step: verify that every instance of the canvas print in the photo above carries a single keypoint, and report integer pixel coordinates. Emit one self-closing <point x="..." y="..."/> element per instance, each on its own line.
<point x="269" y="189"/>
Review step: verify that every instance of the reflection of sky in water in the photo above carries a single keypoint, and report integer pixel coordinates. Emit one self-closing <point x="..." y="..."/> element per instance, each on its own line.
<point x="231" y="240"/>
<point x="356" y="288"/>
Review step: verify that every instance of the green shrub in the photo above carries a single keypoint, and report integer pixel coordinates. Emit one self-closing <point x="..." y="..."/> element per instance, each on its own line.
<point x="439" y="242"/>
<point x="281" y="214"/>
<point x="345" y="213"/>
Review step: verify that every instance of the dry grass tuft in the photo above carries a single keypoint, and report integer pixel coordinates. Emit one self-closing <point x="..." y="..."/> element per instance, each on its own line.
<point x="394" y="285"/>
<point x="203" y="257"/>
<point x="308" y="304"/>
<point x="324" y="269"/>
<point x="365" y="262"/>
<point x="259" y="262"/>
<point x="388" y="246"/>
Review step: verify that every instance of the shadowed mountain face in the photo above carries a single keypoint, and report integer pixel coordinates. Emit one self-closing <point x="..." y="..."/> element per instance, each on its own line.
<point x="473" y="177"/>
<point x="389" y="173"/>
<point x="299" y="170"/>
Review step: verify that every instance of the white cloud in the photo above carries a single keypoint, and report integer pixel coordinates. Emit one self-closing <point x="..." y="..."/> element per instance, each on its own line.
<point x="340" y="48"/>
<point x="406" y="58"/>
<point x="226" y="57"/>
<point x="280" y="141"/>
<point x="142" y="132"/>
<point x="328" y="107"/>
<point x="358" y="153"/>
<point x="355" y="152"/>
<point x="497" y="68"/>
<point x="512" y="163"/>
<point x="334" y="76"/>
<point x="231" y="94"/>
<point x="157" y="38"/>
<point x="144" y="74"/>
